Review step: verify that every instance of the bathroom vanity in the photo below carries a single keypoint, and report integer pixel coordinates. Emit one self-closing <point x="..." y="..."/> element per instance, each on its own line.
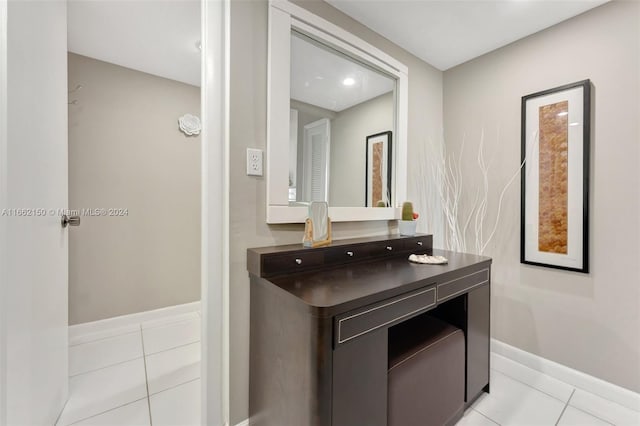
<point x="320" y="321"/>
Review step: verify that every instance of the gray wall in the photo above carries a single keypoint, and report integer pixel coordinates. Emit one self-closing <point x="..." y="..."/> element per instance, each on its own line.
<point x="248" y="128"/>
<point x="349" y="131"/>
<point x="126" y="151"/>
<point x="588" y="322"/>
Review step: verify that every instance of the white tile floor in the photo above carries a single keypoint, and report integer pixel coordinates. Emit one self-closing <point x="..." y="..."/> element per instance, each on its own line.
<point x="150" y="375"/>
<point x="136" y="375"/>
<point x="521" y="396"/>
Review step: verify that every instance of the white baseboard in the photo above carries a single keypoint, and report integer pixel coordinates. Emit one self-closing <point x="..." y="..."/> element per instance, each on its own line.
<point x="243" y="423"/>
<point x="578" y="379"/>
<point x="124" y="322"/>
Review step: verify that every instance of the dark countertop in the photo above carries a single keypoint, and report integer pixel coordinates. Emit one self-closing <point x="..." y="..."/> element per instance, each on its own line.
<point x="332" y="291"/>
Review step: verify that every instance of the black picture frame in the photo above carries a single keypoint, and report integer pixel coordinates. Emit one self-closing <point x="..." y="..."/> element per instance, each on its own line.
<point x="575" y="227"/>
<point x="385" y="138"/>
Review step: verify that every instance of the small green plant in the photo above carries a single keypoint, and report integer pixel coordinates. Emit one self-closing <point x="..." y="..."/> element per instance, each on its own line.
<point x="381" y="203"/>
<point x="407" y="210"/>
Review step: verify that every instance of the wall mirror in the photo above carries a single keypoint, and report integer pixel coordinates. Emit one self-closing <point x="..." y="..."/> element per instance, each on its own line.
<point x="336" y="121"/>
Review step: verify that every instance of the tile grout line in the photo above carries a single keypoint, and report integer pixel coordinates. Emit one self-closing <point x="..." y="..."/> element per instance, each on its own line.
<point x="485" y="416"/>
<point x="175" y="386"/>
<point x="173" y="347"/>
<point x="64" y="407"/>
<point x="146" y="377"/>
<point x="103" y="412"/>
<point x="106" y="366"/>
<point x="591" y="414"/>
<point x="133" y="359"/>
<point x="533" y="387"/>
<point x="565" y="407"/>
<point x="554" y="378"/>
<point x="570" y="396"/>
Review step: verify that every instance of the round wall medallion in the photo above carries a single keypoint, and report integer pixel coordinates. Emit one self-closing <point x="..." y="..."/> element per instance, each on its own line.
<point x="190" y="124"/>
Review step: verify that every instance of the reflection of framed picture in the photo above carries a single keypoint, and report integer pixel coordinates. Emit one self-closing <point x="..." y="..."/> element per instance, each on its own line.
<point x="378" y="167"/>
<point x="555" y="177"/>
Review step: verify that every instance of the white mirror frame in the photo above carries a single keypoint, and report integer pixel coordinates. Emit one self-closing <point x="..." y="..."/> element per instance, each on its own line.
<point x="283" y="17"/>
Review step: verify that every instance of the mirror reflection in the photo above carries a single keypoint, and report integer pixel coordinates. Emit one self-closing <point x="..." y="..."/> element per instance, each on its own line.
<point x="342" y="120"/>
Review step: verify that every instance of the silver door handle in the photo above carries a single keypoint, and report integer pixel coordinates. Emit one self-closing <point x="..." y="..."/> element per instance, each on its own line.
<point x="70" y="220"/>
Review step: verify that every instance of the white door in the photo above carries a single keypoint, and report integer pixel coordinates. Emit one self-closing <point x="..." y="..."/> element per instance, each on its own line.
<point x="34" y="174"/>
<point x="316" y="160"/>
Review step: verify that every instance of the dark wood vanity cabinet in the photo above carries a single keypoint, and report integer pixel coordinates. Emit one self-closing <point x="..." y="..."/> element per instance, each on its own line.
<point x="320" y="321"/>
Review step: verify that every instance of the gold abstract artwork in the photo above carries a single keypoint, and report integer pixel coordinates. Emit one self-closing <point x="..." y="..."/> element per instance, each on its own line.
<point x="376" y="175"/>
<point x="554" y="178"/>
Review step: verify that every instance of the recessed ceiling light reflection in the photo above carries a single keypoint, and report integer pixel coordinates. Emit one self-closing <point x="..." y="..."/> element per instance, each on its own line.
<point x="574" y="124"/>
<point x="348" y="81"/>
<point x="563" y="113"/>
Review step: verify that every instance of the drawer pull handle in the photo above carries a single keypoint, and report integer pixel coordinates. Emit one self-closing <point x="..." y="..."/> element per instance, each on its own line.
<point x="350" y="253"/>
<point x="419" y="243"/>
<point x="299" y="261"/>
<point x="389" y="248"/>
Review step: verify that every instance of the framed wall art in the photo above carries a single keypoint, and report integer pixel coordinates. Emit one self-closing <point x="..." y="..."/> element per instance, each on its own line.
<point x="555" y="177"/>
<point x="378" y="169"/>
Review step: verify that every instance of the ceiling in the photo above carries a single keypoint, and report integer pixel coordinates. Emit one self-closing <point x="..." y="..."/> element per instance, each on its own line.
<point x="447" y="33"/>
<point x="158" y="37"/>
<point x="318" y="75"/>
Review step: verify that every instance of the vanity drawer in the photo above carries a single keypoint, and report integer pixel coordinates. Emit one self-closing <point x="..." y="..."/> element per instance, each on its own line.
<point x="348" y="254"/>
<point x="462" y="284"/>
<point x="416" y="245"/>
<point x="388" y="248"/>
<point x="356" y="323"/>
<point x="275" y="265"/>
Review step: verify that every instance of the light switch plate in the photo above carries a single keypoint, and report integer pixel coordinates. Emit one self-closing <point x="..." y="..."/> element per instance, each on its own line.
<point x="254" y="162"/>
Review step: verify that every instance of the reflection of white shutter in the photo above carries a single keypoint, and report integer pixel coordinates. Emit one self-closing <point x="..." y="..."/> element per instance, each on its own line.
<point x="317" y="168"/>
<point x="293" y="147"/>
<point x="315" y="179"/>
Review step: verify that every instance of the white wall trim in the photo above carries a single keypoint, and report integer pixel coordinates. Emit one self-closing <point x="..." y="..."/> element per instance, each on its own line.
<point x="286" y="214"/>
<point x="283" y="17"/>
<point x="215" y="207"/>
<point x="3" y="205"/>
<point x="578" y="379"/>
<point x="77" y="331"/>
<point x="226" y="184"/>
<point x="302" y="14"/>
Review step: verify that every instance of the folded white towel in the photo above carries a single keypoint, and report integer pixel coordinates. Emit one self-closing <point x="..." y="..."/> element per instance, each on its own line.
<point x="429" y="260"/>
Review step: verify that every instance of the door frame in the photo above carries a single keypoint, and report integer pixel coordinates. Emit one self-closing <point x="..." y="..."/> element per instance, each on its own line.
<point x="215" y="211"/>
<point x="215" y="200"/>
<point x="3" y="205"/>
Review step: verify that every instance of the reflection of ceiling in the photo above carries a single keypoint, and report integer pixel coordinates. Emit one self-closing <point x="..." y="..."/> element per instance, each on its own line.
<point x="156" y="37"/>
<point x="317" y="77"/>
<point x="445" y="33"/>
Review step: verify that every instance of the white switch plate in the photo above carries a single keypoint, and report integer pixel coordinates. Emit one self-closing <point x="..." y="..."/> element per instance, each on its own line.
<point x="254" y="162"/>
